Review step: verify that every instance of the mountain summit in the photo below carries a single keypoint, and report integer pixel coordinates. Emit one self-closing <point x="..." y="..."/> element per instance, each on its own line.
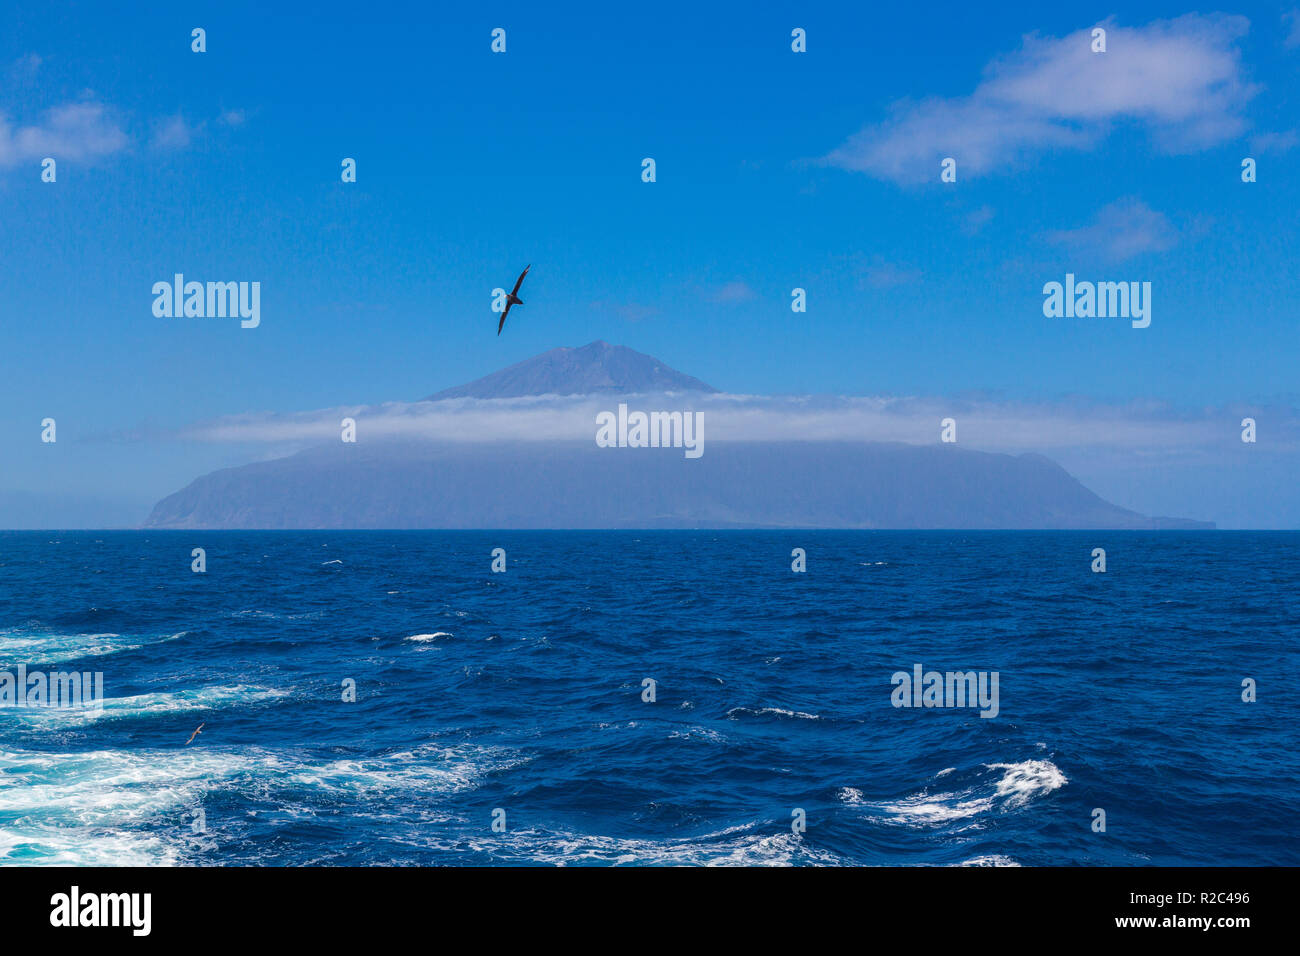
<point x="598" y="368"/>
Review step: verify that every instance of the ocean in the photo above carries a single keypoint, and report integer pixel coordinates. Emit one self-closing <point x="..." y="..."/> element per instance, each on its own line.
<point x="503" y="719"/>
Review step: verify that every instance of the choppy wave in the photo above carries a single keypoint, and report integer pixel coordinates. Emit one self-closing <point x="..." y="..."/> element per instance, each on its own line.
<point x="106" y="807"/>
<point x="698" y="733"/>
<point x="1015" y="787"/>
<point x="38" y="648"/>
<point x="746" y="845"/>
<point x="426" y="769"/>
<point x="136" y="807"/>
<point x="532" y="705"/>
<point x="1023" y="781"/>
<point x="148" y="705"/>
<point x="780" y="712"/>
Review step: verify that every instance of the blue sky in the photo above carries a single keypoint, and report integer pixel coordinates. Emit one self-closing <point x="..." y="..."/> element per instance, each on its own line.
<point x="775" y="170"/>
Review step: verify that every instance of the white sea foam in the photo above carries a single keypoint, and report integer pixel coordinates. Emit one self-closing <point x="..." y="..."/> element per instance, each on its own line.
<point x="697" y="733"/>
<point x="1023" y="781"/>
<point x="1018" y="784"/>
<point x="92" y="808"/>
<point x="119" y="807"/>
<point x="770" y="712"/>
<point x="428" y="768"/>
<point x="733" y="846"/>
<point x="145" y="705"/>
<point x="436" y="635"/>
<point x="926" y="810"/>
<point x="991" y="859"/>
<point x="37" y="648"/>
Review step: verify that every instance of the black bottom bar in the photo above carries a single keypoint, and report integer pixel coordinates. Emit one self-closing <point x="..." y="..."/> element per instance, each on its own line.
<point x="657" y="906"/>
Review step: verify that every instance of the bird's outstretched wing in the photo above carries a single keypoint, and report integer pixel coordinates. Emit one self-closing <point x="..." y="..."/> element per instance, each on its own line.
<point x="520" y="280"/>
<point x="504" y="313"/>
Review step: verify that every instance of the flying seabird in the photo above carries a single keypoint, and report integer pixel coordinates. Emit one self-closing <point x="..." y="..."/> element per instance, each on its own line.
<point x="195" y="734"/>
<point x="512" y="298"/>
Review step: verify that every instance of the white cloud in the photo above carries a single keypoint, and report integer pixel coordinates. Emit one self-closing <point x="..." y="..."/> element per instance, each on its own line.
<point x="1274" y="142"/>
<point x="886" y="275"/>
<point x="985" y="424"/>
<point x="628" y="311"/>
<point x="1292" y="19"/>
<point x="88" y="129"/>
<point x="172" y="133"/>
<point x="733" y="292"/>
<point x="83" y="130"/>
<point x="26" y="67"/>
<point x="176" y="132"/>
<point x="977" y="219"/>
<point x="1181" y="80"/>
<point x="1120" y="230"/>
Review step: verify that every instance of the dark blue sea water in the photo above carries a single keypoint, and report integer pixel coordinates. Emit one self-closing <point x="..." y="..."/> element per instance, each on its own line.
<point x="523" y="691"/>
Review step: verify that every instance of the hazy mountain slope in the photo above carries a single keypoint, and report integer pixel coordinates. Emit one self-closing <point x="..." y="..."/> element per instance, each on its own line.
<point x="577" y="485"/>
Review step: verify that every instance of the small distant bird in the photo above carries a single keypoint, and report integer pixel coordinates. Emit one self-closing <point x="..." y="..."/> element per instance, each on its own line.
<point x="196" y="733"/>
<point x="512" y="298"/>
